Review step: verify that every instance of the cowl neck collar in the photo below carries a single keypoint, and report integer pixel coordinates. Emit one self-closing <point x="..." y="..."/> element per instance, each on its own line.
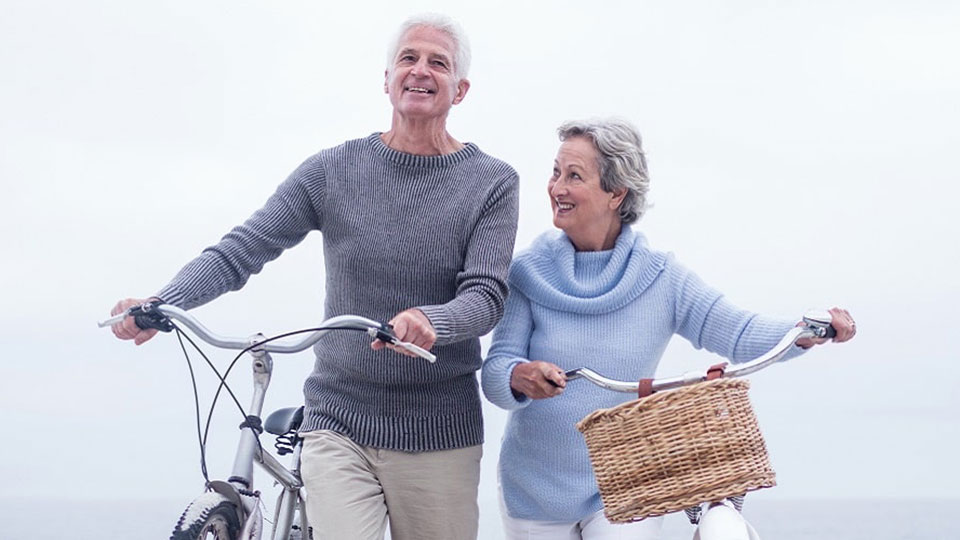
<point x="552" y="273"/>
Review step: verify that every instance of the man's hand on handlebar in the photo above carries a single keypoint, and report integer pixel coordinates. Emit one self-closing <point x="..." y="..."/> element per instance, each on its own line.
<point x="412" y="326"/>
<point x="128" y="329"/>
<point x="842" y="322"/>
<point x="537" y="380"/>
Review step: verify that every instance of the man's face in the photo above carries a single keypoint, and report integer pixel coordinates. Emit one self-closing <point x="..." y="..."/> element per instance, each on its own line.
<point x="421" y="80"/>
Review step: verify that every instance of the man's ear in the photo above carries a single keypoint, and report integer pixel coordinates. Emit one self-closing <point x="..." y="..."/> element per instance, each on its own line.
<point x="386" y="81"/>
<point x="462" y="88"/>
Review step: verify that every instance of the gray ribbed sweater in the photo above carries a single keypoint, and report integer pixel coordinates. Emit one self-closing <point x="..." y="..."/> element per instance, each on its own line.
<point x="399" y="231"/>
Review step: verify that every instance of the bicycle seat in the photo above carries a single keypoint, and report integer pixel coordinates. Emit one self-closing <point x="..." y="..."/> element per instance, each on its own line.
<point x="284" y="420"/>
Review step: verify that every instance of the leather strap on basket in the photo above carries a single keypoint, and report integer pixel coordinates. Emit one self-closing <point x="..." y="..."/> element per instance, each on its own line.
<point x="716" y="371"/>
<point x="645" y="386"/>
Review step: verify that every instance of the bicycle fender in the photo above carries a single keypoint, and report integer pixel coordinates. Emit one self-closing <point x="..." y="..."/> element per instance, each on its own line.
<point x="229" y="492"/>
<point x="722" y="521"/>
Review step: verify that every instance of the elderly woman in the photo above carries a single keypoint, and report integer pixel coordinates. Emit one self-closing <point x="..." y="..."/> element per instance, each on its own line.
<point x="595" y="290"/>
<point x="418" y="228"/>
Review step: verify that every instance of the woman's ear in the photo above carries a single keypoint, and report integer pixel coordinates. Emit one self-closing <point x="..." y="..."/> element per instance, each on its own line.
<point x="616" y="197"/>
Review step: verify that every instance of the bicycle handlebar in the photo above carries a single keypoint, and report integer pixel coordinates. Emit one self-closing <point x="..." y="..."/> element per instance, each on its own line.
<point x="157" y="315"/>
<point x="816" y="325"/>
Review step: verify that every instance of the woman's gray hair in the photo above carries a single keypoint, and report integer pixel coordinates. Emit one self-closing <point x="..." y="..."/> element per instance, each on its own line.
<point x="461" y="56"/>
<point x="620" y="159"/>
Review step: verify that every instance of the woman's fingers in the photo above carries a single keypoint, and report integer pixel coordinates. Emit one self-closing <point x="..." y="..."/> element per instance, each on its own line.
<point x="538" y="380"/>
<point x="844" y="324"/>
<point x="553" y="375"/>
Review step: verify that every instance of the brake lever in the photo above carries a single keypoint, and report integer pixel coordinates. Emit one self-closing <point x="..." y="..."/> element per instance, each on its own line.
<point x="385" y="334"/>
<point x="820" y="322"/>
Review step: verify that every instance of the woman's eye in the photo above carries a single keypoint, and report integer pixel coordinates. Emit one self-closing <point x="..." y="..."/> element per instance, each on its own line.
<point x="575" y="176"/>
<point x="556" y="173"/>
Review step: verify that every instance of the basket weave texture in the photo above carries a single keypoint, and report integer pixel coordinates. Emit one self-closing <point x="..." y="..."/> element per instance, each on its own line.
<point x="676" y="449"/>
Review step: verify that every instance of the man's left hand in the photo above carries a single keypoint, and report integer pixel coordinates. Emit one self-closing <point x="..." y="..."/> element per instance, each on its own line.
<point x="412" y="326"/>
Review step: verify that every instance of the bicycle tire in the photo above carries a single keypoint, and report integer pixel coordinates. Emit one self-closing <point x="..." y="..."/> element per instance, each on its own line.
<point x="209" y="516"/>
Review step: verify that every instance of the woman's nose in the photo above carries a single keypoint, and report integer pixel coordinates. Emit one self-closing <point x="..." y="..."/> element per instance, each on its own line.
<point x="557" y="187"/>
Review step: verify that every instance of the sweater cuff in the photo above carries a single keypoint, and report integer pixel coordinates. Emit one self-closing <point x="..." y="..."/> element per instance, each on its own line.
<point x="794" y="352"/>
<point x="171" y="295"/>
<point x="439" y="318"/>
<point x="496" y="386"/>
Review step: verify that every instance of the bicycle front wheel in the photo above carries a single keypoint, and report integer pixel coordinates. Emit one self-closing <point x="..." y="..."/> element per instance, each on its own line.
<point x="210" y="517"/>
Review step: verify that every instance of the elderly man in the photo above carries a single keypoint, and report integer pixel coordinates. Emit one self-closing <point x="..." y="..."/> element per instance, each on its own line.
<point x="418" y="228"/>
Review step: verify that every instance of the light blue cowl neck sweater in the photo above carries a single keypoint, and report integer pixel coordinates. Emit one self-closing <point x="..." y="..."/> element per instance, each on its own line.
<point x="613" y="311"/>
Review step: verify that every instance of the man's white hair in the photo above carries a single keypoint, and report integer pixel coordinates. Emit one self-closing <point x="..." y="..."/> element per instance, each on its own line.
<point x="461" y="56"/>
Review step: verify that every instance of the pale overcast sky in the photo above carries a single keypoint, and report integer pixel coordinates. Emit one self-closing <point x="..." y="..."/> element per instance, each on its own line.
<point x="802" y="155"/>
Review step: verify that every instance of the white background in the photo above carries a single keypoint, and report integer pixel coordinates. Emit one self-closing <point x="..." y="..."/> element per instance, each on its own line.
<point x="802" y="155"/>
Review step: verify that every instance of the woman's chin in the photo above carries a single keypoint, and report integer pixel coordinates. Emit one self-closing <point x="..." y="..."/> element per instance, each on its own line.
<point x="561" y="224"/>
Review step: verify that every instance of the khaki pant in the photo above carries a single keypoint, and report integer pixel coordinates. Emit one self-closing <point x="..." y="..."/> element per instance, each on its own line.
<point x="353" y="489"/>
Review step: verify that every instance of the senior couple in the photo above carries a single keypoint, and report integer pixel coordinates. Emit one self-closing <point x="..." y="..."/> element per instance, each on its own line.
<point x="419" y="228"/>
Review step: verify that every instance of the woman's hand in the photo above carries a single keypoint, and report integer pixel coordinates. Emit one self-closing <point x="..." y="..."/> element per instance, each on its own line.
<point x="843" y="323"/>
<point x="537" y="380"/>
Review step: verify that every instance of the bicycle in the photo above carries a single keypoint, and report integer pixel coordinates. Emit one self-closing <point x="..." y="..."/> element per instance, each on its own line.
<point x="230" y="510"/>
<point x="626" y="490"/>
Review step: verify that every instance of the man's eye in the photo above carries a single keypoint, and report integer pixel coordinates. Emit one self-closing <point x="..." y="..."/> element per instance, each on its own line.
<point x="438" y="63"/>
<point x="556" y="173"/>
<point x="575" y="176"/>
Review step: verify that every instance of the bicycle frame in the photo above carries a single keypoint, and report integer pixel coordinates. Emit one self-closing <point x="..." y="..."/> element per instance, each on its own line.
<point x="250" y="451"/>
<point x="238" y="489"/>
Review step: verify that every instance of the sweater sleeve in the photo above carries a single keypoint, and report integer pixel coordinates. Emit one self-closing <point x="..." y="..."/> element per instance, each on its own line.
<point x="511" y="346"/>
<point x="708" y="320"/>
<point x="481" y="283"/>
<point x="286" y="218"/>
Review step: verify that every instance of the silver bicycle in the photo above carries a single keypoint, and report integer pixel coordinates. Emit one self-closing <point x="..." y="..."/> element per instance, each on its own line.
<point x="717" y="520"/>
<point x="230" y="509"/>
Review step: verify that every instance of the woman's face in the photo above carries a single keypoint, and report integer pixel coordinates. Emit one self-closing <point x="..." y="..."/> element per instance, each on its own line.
<point x="581" y="208"/>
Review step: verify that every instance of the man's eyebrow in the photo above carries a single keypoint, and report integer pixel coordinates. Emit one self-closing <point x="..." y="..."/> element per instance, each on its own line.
<point x="435" y="56"/>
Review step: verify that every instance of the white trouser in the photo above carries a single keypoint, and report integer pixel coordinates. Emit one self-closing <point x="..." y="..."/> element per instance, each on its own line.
<point x="593" y="527"/>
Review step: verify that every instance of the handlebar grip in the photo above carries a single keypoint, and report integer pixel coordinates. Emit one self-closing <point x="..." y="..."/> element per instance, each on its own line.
<point x="157" y="322"/>
<point x="146" y="316"/>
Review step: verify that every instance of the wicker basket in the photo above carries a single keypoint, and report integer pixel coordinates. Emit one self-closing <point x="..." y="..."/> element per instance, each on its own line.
<point x="676" y="449"/>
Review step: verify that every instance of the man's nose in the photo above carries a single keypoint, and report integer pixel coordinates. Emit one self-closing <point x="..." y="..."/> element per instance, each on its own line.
<point x="419" y="68"/>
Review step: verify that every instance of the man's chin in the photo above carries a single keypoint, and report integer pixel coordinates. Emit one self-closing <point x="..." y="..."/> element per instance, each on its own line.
<point x="422" y="111"/>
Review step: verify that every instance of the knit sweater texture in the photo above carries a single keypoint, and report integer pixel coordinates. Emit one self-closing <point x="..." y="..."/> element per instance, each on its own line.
<point x="399" y="231"/>
<point x="613" y="311"/>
